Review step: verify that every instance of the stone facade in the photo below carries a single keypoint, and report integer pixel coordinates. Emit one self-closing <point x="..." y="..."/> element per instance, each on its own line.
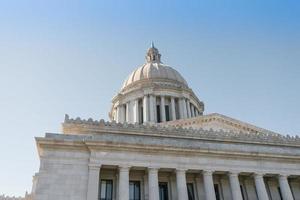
<point x="181" y="155"/>
<point x="89" y="151"/>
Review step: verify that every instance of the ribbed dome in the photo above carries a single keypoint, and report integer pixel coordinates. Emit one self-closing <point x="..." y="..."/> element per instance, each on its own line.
<point x="154" y="71"/>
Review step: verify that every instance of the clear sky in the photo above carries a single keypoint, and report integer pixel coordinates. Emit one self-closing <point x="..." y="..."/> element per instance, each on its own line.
<point x="242" y="58"/>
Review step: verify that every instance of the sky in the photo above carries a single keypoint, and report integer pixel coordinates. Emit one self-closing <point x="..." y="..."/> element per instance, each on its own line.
<point x="241" y="58"/>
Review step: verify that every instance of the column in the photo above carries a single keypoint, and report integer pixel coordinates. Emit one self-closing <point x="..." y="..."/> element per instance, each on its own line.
<point x="209" y="185"/>
<point x="127" y="112"/>
<point x="196" y="112"/>
<point x="123" y="113"/>
<point x="123" y="183"/>
<point x="184" y="108"/>
<point x="260" y="187"/>
<point x="173" y="108"/>
<point x="181" y="112"/>
<point x="93" y="182"/>
<point x="162" y="109"/>
<point x="285" y="187"/>
<point x="235" y="186"/>
<point x="152" y="108"/>
<point x="188" y="108"/>
<point x="131" y="103"/>
<point x="192" y="110"/>
<point x="136" y="111"/>
<point x="153" y="184"/>
<point x="146" y="109"/>
<point x="119" y="114"/>
<point x="181" y="185"/>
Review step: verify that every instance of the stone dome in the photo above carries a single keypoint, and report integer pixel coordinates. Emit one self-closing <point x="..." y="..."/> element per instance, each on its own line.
<point x="154" y="71"/>
<point x="155" y="93"/>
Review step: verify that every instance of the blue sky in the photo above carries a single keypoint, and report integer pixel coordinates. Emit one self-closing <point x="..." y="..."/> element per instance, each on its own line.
<point x="242" y="58"/>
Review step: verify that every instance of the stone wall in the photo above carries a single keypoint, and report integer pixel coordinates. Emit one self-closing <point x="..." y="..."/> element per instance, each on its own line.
<point x="63" y="175"/>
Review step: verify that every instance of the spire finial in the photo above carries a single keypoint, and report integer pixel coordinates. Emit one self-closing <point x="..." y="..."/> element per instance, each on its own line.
<point x="152" y="44"/>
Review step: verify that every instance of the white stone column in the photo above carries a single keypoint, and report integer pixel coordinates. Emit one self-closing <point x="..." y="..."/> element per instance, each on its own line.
<point x="196" y="112"/>
<point x="209" y="185"/>
<point x="93" y="183"/>
<point x="260" y="187"/>
<point x="152" y="108"/>
<point x="173" y="108"/>
<point x="184" y="108"/>
<point x="136" y="111"/>
<point x="188" y="106"/>
<point x="162" y="109"/>
<point x="131" y="111"/>
<point x="192" y="110"/>
<point x="181" y="185"/>
<point x="127" y="112"/>
<point x="153" y="184"/>
<point x="181" y="108"/>
<point x="235" y="186"/>
<point x="123" y="113"/>
<point x="285" y="187"/>
<point x="146" y="113"/>
<point x="119" y="114"/>
<point x="123" y="183"/>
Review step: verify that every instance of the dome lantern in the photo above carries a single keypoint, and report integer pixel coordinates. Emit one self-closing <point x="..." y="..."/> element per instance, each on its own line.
<point x="153" y="55"/>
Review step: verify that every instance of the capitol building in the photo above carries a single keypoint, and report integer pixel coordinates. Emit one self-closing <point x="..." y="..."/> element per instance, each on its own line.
<point x="160" y="145"/>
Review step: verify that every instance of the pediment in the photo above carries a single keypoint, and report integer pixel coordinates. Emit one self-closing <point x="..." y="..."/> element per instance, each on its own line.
<point x="218" y="122"/>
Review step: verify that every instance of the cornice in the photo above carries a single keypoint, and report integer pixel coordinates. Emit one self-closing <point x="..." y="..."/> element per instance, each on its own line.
<point x="79" y="126"/>
<point x="90" y="143"/>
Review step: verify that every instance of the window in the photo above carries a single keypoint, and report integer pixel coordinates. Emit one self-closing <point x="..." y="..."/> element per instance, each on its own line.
<point x="158" y="113"/>
<point x="190" y="189"/>
<point x="217" y="191"/>
<point x="177" y="109"/>
<point x="167" y="113"/>
<point x="106" y="189"/>
<point x="142" y="115"/>
<point x="134" y="190"/>
<point x="163" y="191"/>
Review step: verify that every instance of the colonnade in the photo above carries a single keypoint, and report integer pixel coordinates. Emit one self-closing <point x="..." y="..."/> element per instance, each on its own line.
<point x="144" y="109"/>
<point x="182" y="194"/>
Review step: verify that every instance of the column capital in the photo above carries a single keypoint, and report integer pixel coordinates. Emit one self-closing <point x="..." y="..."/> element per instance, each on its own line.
<point x="233" y="173"/>
<point x="283" y="175"/>
<point x="207" y="172"/>
<point x="153" y="169"/>
<point x="124" y="168"/>
<point x="258" y="175"/>
<point x="181" y="170"/>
